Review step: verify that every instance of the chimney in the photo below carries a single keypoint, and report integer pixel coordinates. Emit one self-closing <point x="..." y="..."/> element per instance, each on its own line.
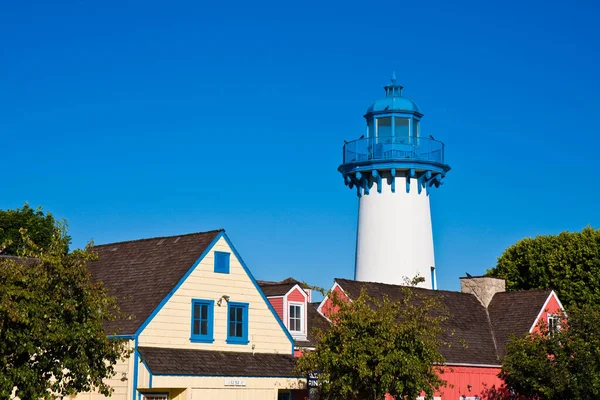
<point x="483" y="287"/>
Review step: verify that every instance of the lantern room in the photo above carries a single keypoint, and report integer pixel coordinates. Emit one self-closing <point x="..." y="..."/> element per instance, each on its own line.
<point x="393" y="116"/>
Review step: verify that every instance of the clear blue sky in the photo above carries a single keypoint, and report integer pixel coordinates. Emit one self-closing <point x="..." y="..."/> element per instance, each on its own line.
<point x="140" y="119"/>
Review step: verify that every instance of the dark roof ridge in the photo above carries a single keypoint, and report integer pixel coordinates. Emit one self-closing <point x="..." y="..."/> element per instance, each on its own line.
<point x="526" y="291"/>
<point x="403" y="286"/>
<point x="263" y="282"/>
<point x="491" y="327"/>
<point x="160" y="237"/>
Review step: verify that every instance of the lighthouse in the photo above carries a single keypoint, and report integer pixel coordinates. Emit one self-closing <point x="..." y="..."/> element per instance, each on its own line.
<point x="393" y="169"/>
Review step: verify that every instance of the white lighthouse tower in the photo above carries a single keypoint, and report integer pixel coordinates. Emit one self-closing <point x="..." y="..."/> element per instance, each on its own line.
<point x="393" y="169"/>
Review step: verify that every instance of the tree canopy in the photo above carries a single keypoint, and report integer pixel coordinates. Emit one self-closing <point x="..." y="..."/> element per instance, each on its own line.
<point x="52" y="341"/>
<point x="556" y="365"/>
<point x="569" y="263"/>
<point x="40" y="228"/>
<point x="367" y="353"/>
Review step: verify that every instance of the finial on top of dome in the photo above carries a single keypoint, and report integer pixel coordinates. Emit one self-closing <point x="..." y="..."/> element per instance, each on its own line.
<point x="393" y="89"/>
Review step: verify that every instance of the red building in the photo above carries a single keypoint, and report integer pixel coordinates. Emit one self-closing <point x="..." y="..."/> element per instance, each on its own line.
<point x="291" y="300"/>
<point x="482" y="318"/>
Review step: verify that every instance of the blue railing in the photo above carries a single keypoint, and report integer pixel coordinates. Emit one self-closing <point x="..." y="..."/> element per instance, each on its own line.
<point x="405" y="148"/>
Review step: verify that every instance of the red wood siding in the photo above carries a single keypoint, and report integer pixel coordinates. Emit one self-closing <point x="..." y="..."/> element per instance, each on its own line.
<point x="277" y="303"/>
<point x="459" y="378"/>
<point x="551" y="307"/>
<point x="481" y="380"/>
<point x="296" y="295"/>
<point x="328" y="308"/>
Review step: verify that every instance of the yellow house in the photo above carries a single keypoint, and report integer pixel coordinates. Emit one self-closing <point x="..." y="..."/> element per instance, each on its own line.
<point x="198" y="324"/>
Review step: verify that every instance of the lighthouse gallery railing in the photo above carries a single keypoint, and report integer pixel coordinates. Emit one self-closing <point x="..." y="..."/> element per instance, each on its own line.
<point x="394" y="148"/>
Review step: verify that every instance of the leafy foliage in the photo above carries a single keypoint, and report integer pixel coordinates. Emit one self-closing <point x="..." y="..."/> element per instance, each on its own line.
<point x="367" y="353"/>
<point x="40" y="228"/>
<point x="569" y="263"/>
<point x="557" y="365"/>
<point x="51" y="337"/>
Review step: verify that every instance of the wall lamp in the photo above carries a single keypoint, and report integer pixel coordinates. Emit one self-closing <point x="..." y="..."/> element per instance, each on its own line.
<point x="220" y="301"/>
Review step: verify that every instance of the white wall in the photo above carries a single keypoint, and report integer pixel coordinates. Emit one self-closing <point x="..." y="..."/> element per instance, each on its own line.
<point x="394" y="240"/>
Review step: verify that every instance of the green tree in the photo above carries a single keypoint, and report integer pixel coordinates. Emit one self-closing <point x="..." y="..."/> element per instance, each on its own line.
<point x="569" y="263"/>
<point x="40" y="228"/>
<point x="564" y="364"/>
<point x="52" y="341"/>
<point x="367" y="353"/>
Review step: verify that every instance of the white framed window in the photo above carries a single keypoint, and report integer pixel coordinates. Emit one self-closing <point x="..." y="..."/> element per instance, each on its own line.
<point x="553" y="323"/>
<point x="296" y="317"/>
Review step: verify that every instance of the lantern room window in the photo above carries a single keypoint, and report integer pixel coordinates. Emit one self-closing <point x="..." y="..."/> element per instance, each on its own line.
<point x="402" y="125"/>
<point x="384" y="127"/>
<point x="415" y="128"/>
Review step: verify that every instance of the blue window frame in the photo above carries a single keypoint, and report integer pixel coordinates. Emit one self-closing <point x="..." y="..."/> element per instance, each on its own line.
<point x="222" y="262"/>
<point x="237" y="323"/>
<point x="202" y="321"/>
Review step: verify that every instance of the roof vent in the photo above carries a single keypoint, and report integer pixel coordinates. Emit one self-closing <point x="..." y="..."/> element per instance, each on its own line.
<point x="161" y="241"/>
<point x="114" y="249"/>
<point x="177" y="239"/>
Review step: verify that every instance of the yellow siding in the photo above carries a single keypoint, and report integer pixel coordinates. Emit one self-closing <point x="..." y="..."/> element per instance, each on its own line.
<point x="171" y="326"/>
<point x="122" y="388"/>
<point x="143" y="375"/>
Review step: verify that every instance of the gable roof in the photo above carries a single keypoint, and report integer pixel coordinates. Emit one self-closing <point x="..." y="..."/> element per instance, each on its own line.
<point x="476" y="335"/>
<point x="271" y="288"/>
<point x="141" y="273"/>
<point x="467" y="329"/>
<point x="513" y="313"/>
<point x="163" y="361"/>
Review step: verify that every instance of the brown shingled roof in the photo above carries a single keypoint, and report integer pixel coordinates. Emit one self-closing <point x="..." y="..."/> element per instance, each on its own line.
<point x="140" y="273"/>
<point x="513" y="313"/>
<point x="162" y="361"/>
<point x="475" y="338"/>
<point x="271" y="288"/>
<point x="467" y="329"/>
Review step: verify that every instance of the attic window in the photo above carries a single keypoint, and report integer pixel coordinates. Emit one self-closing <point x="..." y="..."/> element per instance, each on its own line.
<point x="222" y="262"/>
<point x="296" y="318"/>
<point x="553" y="323"/>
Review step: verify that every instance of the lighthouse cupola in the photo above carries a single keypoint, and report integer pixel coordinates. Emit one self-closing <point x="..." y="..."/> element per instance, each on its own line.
<point x="392" y="168"/>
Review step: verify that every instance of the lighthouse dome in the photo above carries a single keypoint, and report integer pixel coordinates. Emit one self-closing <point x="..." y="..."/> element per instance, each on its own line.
<point x="393" y="103"/>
